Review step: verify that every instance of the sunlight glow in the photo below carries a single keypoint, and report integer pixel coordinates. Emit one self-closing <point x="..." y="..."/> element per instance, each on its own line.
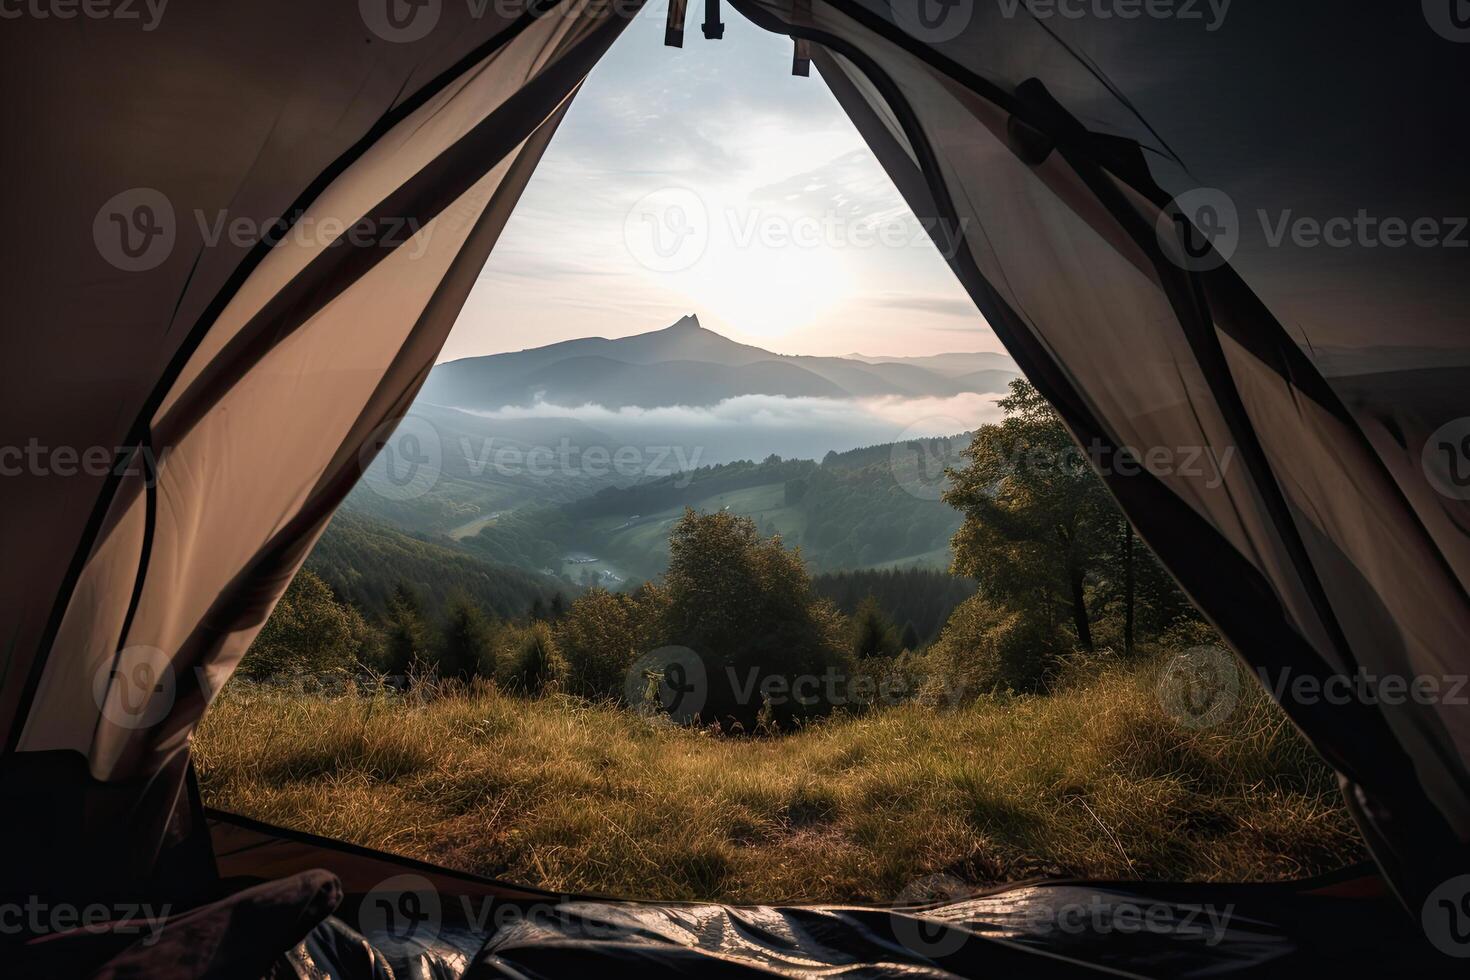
<point x="762" y="292"/>
<point x="724" y="187"/>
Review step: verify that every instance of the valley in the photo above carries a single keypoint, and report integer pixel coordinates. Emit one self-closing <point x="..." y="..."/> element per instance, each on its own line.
<point x="539" y="460"/>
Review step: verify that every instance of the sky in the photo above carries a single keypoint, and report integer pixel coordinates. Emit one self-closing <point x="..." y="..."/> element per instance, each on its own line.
<point x="710" y="180"/>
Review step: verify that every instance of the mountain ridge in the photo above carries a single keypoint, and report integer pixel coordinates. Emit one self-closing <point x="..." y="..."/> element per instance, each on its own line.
<point x="688" y="364"/>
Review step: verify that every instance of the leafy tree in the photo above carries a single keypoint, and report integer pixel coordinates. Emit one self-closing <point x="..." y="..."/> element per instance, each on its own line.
<point x="1140" y="600"/>
<point x="467" y="643"/>
<point x="1038" y="520"/>
<point x="746" y="607"/>
<point x="308" y="630"/>
<point x="873" y="633"/>
<point x="1044" y="538"/>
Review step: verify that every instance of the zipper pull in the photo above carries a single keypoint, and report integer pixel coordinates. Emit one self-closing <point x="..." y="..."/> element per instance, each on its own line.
<point x="674" y="24"/>
<point x="713" y="27"/>
<point x="801" y="56"/>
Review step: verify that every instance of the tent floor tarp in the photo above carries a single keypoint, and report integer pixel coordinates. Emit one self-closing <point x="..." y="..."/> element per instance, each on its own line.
<point x="398" y="917"/>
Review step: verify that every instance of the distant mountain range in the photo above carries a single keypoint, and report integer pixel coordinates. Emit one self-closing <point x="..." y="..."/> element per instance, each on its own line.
<point x="685" y="364"/>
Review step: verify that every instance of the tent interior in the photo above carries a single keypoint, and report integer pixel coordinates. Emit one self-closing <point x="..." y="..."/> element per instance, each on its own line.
<point x="1071" y="170"/>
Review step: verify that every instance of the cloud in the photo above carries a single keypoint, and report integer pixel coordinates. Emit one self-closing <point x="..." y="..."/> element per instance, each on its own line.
<point x="756" y="426"/>
<point x="935" y="304"/>
<point x="927" y="416"/>
<point x="851" y="187"/>
<point x="695" y="111"/>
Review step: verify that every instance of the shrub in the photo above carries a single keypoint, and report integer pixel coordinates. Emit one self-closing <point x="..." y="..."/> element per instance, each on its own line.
<point x="986" y="648"/>
<point x="309" y="630"/>
<point x="532" y="664"/>
<point x="603" y="633"/>
<point x="1190" y="631"/>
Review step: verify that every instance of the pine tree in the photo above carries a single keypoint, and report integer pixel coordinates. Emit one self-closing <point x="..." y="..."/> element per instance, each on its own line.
<point x="466" y="648"/>
<point x="407" y="634"/>
<point x="873" y="635"/>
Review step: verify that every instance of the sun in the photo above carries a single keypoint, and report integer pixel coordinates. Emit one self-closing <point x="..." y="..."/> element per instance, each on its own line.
<point x="767" y="285"/>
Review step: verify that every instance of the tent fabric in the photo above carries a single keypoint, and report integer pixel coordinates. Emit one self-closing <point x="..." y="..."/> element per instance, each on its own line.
<point x="1047" y="154"/>
<point x="254" y="384"/>
<point x="245" y="114"/>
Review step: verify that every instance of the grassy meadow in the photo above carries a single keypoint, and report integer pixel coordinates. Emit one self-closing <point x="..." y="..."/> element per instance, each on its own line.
<point x="1092" y="779"/>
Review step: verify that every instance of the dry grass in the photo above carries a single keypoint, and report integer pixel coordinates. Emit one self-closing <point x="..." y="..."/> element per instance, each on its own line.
<point x="1094" y="780"/>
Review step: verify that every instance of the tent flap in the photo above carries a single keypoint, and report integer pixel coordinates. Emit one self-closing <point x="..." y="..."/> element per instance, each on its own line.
<point x="254" y="418"/>
<point x="1068" y="166"/>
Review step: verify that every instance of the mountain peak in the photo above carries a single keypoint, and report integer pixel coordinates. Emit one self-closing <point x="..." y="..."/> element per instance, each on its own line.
<point x="689" y="321"/>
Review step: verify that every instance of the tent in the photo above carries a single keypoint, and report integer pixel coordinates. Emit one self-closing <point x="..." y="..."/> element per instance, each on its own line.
<point x="1127" y="190"/>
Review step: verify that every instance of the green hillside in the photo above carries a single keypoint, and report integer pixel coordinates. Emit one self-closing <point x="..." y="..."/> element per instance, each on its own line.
<point x="363" y="559"/>
<point x="848" y="512"/>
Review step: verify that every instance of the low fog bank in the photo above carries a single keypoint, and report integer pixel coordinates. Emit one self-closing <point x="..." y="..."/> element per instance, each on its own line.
<point x="755" y="426"/>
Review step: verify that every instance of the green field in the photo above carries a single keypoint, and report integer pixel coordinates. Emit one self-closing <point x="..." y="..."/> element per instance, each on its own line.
<point x="472" y="527"/>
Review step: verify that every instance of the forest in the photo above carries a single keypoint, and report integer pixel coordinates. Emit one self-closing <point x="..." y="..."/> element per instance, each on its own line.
<point x="1043" y="565"/>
